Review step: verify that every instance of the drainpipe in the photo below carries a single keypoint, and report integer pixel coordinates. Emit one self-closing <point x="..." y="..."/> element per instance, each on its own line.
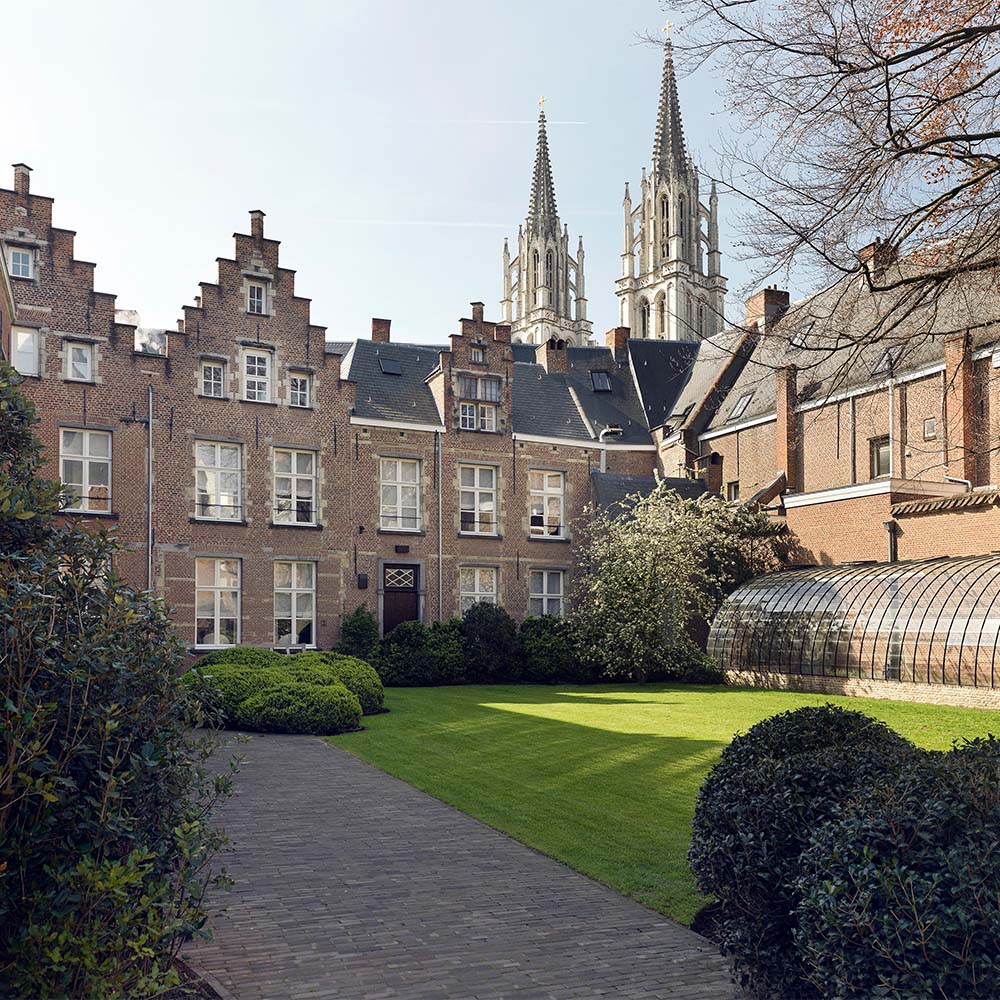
<point x="892" y="530"/>
<point x="612" y="430"/>
<point x="967" y="483"/>
<point x="149" y="487"/>
<point x="892" y="427"/>
<point x="440" y="485"/>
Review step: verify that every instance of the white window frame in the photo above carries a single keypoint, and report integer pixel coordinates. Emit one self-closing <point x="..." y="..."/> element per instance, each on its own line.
<point x="257" y="305"/>
<point x="296" y="591"/>
<point x="89" y="458"/>
<point x="293" y="486"/>
<point x="543" y="497"/>
<point x="740" y="406"/>
<point x="473" y="498"/>
<point x="210" y="473"/>
<point x="88" y="357"/>
<point x="300" y="397"/>
<point x="478" y="356"/>
<point x="257" y="386"/>
<point x="206" y="382"/>
<point x="477" y="417"/>
<point x="392" y="484"/>
<point x="217" y="591"/>
<point x="541" y="595"/>
<point x="878" y="446"/>
<point x="34" y="338"/>
<point x="27" y="260"/>
<point x="477" y="591"/>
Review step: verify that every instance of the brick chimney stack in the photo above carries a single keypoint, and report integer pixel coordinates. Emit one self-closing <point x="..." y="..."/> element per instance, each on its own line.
<point x="257" y="224"/>
<point x="22" y="179"/>
<point x="477" y="312"/>
<point x="615" y="338"/>
<point x="786" y="431"/>
<point x="877" y="256"/>
<point x="766" y="307"/>
<point x="380" y="330"/>
<point x="553" y="356"/>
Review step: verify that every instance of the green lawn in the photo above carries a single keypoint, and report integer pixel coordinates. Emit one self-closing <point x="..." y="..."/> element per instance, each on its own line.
<point x="603" y="778"/>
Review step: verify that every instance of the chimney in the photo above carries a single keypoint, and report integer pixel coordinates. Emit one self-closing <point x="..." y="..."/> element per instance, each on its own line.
<point x="477" y="312"/>
<point x="22" y="179"/>
<point x="786" y="431"/>
<point x="552" y="356"/>
<point x="767" y="305"/>
<point x="380" y="330"/>
<point x="615" y="338"/>
<point x="501" y="333"/>
<point x="959" y="409"/>
<point x="877" y="256"/>
<point x="257" y="224"/>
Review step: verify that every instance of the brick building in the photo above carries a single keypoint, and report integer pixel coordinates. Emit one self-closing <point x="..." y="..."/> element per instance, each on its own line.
<point x="266" y="481"/>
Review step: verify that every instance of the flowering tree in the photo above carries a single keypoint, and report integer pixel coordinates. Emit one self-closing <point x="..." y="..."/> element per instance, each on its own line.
<point x="649" y="568"/>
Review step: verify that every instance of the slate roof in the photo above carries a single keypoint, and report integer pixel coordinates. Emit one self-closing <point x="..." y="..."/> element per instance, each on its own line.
<point x="612" y="488"/>
<point x="662" y="368"/>
<point x="404" y="397"/>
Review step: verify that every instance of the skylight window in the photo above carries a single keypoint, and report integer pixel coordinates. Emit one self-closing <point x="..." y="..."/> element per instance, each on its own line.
<point x="889" y="360"/>
<point x="601" y="381"/>
<point x="741" y="406"/>
<point x="390" y="366"/>
<point x="809" y="391"/>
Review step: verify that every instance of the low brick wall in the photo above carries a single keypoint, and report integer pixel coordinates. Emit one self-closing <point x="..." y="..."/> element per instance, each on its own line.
<point x="935" y="694"/>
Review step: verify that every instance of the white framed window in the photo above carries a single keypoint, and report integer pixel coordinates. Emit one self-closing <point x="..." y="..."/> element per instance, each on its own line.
<point x="21" y="262"/>
<point x="257" y="376"/>
<point x="399" y="494"/>
<point x="25" y="350"/>
<point x="478" y="356"/>
<point x="218" y="481"/>
<point x="213" y="379"/>
<point x="545" y="592"/>
<point x="257" y="298"/>
<point x="477" y="585"/>
<point x="300" y="390"/>
<point x="880" y="457"/>
<point x="741" y="406"/>
<point x="930" y="428"/>
<point x="546" y="495"/>
<point x="733" y="491"/>
<point x="294" y="604"/>
<point x="217" y="602"/>
<point x="294" y="486"/>
<point x="478" y="417"/>
<point x="81" y="362"/>
<point x="477" y="499"/>
<point x="85" y="469"/>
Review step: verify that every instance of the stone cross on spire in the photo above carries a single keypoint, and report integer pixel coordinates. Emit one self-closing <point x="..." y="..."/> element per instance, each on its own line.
<point x="542" y="204"/>
<point x="669" y="154"/>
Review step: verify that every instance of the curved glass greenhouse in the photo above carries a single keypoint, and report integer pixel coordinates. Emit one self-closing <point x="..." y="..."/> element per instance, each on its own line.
<point x="933" y="621"/>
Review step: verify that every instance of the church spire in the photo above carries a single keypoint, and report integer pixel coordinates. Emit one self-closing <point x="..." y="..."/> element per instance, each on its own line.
<point x="542" y="205"/>
<point x="669" y="155"/>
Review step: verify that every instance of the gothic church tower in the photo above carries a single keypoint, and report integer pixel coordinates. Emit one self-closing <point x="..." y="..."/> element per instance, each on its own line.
<point x="543" y="289"/>
<point x="671" y="287"/>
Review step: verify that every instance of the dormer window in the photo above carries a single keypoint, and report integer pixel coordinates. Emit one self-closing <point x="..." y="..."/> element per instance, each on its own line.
<point x="601" y="381"/>
<point x="257" y="298"/>
<point x="21" y="262"/>
<point x="889" y="360"/>
<point x="741" y="406"/>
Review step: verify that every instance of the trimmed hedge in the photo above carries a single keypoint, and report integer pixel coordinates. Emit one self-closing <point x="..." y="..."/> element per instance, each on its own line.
<point x="332" y="668"/>
<point x="490" y="647"/>
<point x="291" y="707"/>
<point x="413" y="655"/>
<point x="222" y="686"/>
<point x="899" y="895"/>
<point x="773" y="788"/>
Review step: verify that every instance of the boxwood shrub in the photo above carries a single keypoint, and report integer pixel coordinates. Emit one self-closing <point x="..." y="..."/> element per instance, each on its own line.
<point x="490" y="645"/>
<point x="222" y="686"/>
<point x="332" y="668"/>
<point x="773" y="788"/>
<point x="300" y="708"/>
<point x="413" y="655"/>
<point x="899" y="895"/>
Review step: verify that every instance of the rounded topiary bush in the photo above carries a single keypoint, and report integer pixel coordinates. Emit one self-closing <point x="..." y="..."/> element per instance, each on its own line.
<point x="490" y="645"/>
<point x="774" y="786"/>
<point x="899" y="895"/>
<point x="222" y="686"/>
<point x="321" y="710"/>
<point x="360" y="677"/>
<point x="246" y="656"/>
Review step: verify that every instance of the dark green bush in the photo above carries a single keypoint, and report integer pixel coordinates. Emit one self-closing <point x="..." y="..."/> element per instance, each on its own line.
<point x="334" y="668"/>
<point x="300" y="708"/>
<point x="548" y="650"/>
<point x="244" y="656"/>
<point x="899" y="896"/>
<point x="694" y="666"/>
<point x="413" y="655"/>
<point x="490" y="646"/>
<point x="359" y="634"/>
<point x="774" y="786"/>
<point x="104" y="795"/>
<point x="222" y="686"/>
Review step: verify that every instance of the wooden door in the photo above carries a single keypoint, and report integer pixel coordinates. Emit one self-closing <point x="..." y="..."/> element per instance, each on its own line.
<point x="400" y="595"/>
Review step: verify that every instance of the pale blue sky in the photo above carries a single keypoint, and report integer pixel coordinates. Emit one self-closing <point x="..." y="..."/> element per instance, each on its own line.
<point x="390" y="143"/>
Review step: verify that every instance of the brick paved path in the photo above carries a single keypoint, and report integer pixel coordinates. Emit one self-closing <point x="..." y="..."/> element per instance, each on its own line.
<point x="351" y="884"/>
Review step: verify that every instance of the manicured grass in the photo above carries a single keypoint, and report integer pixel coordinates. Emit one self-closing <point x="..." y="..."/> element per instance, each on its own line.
<point x="603" y="778"/>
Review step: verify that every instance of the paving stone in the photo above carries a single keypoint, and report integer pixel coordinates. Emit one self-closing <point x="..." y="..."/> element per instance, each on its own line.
<point x="351" y="884"/>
